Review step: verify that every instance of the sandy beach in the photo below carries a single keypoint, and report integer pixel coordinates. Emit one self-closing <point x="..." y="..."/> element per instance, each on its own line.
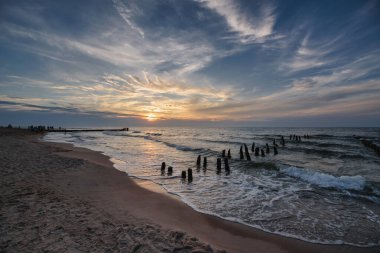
<point x="59" y="198"/>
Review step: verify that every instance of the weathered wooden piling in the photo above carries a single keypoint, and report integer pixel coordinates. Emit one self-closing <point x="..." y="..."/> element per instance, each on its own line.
<point x="267" y="148"/>
<point x="257" y="150"/>
<point x="247" y="153"/>
<point x="218" y="164"/>
<point x="241" y="153"/>
<point x="282" y="141"/>
<point x="223" y="153"/>
<point x="262" y="153"/>
<point x="229" y="154"/>
<point x="204" y="161"/>
<point x="199" y="160"/>
<point x="275" y="150"/>
<point x="163" y="166"/>
<point x="183" y="174"/>
<point x="253" y="147"/>
<point x="226" y="165"/>
<point x="170" y="170"/>
<point x="189" y="175"/>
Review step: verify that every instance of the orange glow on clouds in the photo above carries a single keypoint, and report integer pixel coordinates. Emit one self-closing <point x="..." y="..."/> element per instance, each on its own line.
<point x="151" y="117"/>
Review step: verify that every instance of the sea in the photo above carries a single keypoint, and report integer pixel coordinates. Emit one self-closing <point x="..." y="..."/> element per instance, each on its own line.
<point x="322" y="189"/>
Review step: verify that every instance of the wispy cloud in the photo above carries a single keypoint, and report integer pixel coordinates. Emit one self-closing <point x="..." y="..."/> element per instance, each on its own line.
<point x="124" y="94"/>
<point x="345" y="89"/>
<point x="127" y="14"/>
<point x="248" y="27"/>
<point x="178" y="53"/>
<point x="308" y="56"/>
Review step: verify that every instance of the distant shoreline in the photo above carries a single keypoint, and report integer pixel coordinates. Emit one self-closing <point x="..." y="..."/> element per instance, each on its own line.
<point x="74" y="175"/>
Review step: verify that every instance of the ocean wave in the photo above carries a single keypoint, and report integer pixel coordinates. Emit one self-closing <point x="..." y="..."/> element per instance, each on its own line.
<point x="326" y="180"/>
<point x="222" y="142"/>
<point x="116" y="133"/>
<point x="181" y="147"/>
<point x="322" y="135"/>
<point x="172" y="145"/>
<point x="321" y="152"/>
<point x="154" y="134"/>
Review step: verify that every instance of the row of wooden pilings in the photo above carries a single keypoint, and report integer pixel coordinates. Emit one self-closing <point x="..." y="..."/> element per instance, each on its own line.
<point x="189" y="174"/>
<point x="183" y="174"/>
<point x="256" y="150"/>
<point x="259" y="151"/>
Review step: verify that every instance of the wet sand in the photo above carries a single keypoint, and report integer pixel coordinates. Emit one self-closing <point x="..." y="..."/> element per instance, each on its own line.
<point x="55" y="197"/>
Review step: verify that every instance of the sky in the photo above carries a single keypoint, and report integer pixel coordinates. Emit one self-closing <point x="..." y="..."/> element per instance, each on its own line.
<point x="190" y="63"/>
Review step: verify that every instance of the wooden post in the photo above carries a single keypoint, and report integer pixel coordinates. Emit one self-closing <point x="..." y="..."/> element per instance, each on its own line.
<point x="170" y="170"/>
<point x="229" y="154"/>
<point x="189" y="175"/>
<point x="268" y="150"/>
<point x="262" y="153"/>
<point x="275" y="150"/>
<point x="163" y="166"/>
<point x="257" y="152"/>
<point x="223" y="153"/>
<point x="282" y="141"/>
<point x="226" y="165"/>
<point x="241" y="153"/>
<point x="183" y="175"/>
<point x="199" y="160"/>
<point x="218" y="165"/>
<point x="247" y="153"/>
<point x="204" y="161"/>
<point x="253" y="147"/>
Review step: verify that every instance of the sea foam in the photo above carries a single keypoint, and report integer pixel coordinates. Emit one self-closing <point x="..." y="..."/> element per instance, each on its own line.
<point x="326" y="180"/>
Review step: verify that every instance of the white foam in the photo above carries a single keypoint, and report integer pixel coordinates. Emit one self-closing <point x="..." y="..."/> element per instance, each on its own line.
<point x="326" y="180"/>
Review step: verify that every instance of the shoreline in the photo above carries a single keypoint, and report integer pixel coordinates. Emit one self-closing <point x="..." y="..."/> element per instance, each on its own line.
<point x="152" y="186"/>
<point x="112" y="191"/>
<point x="156" y="188"/>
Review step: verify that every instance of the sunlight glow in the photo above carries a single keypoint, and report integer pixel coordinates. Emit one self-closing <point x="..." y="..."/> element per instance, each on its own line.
<point x="151" y="117"/>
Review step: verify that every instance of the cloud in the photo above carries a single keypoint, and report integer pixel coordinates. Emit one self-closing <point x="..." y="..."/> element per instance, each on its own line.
<point x="122" y="49"/>
<point x="357" y="98"/>
<point x="248" y="28"/>
<point x="344" y="89"/>
<point x="308" y="57"/>
<point x="124" y="94"/>
<point x="22" y="106"/>
<point x="127" y="14"/>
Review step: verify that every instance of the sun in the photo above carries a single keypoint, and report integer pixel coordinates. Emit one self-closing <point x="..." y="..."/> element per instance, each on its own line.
<point x="151" y="117"/>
